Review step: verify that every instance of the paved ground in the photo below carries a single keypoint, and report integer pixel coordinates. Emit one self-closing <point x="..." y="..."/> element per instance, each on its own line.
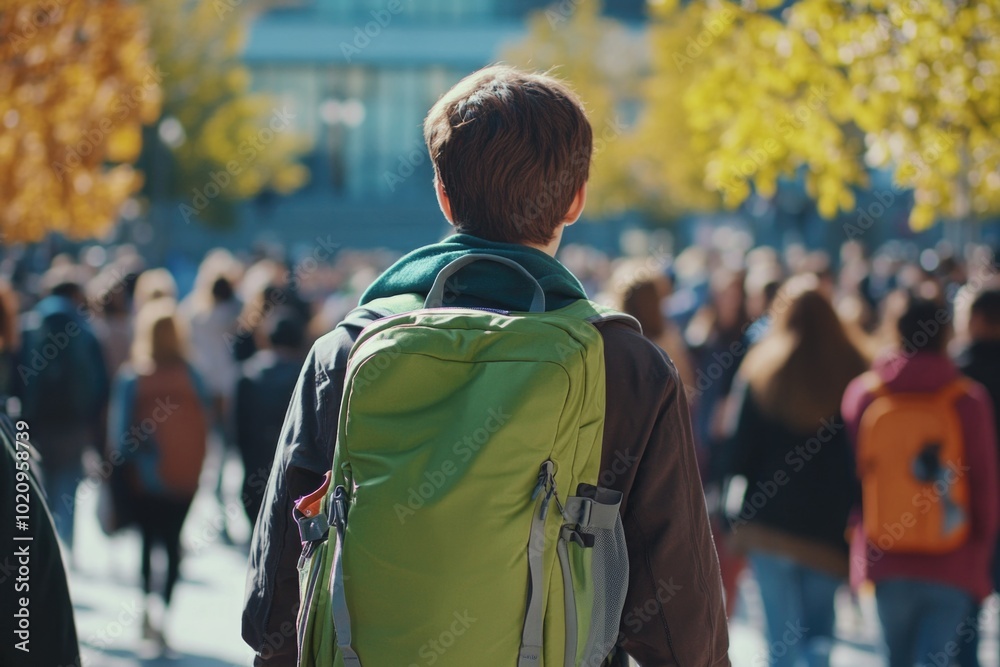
<point x="204" y="628"/>
<point x="205" y="623"/>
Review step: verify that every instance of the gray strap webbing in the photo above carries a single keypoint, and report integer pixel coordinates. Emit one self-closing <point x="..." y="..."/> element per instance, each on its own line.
<point x="598" y="512"/>
<point x="616" y="317"/>
<point x="531" y="636"/>
<point x="338" y="604"/>
<point x="569" y="596"/>
<point x="435" y="297"/>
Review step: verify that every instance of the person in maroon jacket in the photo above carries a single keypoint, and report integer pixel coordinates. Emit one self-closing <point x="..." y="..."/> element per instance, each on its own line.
<point x="924" y="601"/>
<point x="511" y="154"/>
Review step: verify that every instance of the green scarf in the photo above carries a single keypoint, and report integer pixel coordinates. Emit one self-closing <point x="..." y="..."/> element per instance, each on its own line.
<point x="481" y="284"/>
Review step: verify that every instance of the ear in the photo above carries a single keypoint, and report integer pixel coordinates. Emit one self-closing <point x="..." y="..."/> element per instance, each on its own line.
<point x="576" y="206"/>
<point x="443" y="200"/>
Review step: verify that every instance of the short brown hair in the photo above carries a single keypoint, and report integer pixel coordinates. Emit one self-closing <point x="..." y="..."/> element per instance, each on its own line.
<point x="511" y="149"/>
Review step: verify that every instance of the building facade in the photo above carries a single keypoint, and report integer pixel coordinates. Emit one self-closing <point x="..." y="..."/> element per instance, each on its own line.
<point x="358" y="77"/>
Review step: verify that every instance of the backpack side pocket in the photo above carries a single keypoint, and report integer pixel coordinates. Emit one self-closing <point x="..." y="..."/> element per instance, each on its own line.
<point x="598" y="568"/>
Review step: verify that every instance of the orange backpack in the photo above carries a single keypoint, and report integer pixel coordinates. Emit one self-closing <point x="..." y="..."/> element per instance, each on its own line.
<point x="911" y="458"/>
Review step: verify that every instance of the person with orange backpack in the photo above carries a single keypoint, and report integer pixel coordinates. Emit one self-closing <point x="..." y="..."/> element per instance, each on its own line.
<point x="927" y="461"/>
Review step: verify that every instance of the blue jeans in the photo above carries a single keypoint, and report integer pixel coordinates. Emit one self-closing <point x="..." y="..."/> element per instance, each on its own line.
<point x="968" y="639"/>
<point x="921" y="621"/>
<point x="60" y="491"/>
<point x="798" y="607"/>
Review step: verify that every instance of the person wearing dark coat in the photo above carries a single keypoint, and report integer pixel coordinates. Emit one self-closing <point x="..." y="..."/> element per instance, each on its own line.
<point x="266" y="383"/>
<point x="789" y="444"/>
<point x="35" y="607"/>
<point x="981" y="362"/>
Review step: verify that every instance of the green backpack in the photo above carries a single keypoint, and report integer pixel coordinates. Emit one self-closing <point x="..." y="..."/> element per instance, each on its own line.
<point x="462" y="523"/>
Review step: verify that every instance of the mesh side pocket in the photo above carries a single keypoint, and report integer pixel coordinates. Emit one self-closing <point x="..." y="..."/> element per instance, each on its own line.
<point x="609" y="574"/>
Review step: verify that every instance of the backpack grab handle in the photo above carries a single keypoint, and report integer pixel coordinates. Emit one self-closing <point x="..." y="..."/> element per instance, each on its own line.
<point x="435" y="298"/>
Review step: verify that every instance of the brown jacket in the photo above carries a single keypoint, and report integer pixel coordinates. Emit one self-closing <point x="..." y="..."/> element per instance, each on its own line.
<point x="674" y="612"/>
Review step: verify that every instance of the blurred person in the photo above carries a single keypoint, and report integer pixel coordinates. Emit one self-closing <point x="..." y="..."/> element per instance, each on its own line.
<point x="859" y="321"/>
<point x="927" y="459"/>
<point x="63" y="385"/>
<point x="666" y="528"/>
<point x="112" y="321"/>
<point x="10" y="340"/>
<point x="265" y="288"/>
<point x="51" y="638"/>
<point x="716" y="337"/>
<point x="981" y="362"/>
<point x="153" y="284"/>
<point x="692" y="289"/>
<point x="761" y="287"/>
<point x="265" y="386"/>
<point x="819" y="264"/>
<point x="795" y="510"/>
<point x="641" y="297"/>
<point x="885" y="337"/>
<point x="159" y="426"/>
<point x="211" y="312"/>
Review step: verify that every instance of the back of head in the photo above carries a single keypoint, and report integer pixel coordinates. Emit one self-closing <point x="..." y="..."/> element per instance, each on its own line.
<point x="511" y="150"/>
<point x="63" y="280"/>
<point x="159" y="339"/>
<point x="286" y="330"/>
<point x="641" y="300"/>
<point x="222" y="290"/>
<point x="923" y="325"/>
<point x="799" y="371"/>
<point x="152" y="285"/>
<point x="984" y="323"/>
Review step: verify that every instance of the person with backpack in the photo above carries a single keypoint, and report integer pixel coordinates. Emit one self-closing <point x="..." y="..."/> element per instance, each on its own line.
<point x="158" y="427"/>
<point x="981" y="362"/>
<point x="926" y="454"/>
<point x="484" y="467"/>
<point x="788" y="443"/>
<point x="63" y="385"/>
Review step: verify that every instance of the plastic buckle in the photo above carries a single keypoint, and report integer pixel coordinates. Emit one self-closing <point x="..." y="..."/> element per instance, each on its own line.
<point x="312" y="528"/>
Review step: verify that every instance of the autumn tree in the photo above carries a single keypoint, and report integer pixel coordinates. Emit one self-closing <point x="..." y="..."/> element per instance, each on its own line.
<point x="76" y="84"/>
<point x="827" y="89"/>
<point x="228" y="143"/>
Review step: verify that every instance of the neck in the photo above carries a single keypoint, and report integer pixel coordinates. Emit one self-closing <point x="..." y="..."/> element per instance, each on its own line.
<point x="552" y="247"/>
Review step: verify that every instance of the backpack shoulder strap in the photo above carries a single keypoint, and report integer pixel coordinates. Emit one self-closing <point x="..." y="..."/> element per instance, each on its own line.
<point x="595" y="313"/>
<point x="954" y="390"/>
<point x="395" y="305"/>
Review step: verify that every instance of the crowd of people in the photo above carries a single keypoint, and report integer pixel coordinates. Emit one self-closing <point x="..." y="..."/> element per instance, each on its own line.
<point x="797" y="365"/>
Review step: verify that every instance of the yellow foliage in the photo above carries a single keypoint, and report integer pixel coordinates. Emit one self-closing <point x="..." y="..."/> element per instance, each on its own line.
<point x="738" y="97"/>
<point x="827" y="89"/>
<point x="76" y="84"/>
<point x="208" y="91"/>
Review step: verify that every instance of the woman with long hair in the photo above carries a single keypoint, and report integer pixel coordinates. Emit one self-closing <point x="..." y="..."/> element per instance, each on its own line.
<point x="159" y="426"/>
<point x="641" y="294"/>
<point x="10" y="339"/>
<point x="790" y="446"/>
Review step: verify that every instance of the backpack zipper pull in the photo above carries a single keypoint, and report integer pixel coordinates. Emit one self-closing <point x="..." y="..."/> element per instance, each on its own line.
<point x="545" y="477"/>
<point x="546" y="481"/>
